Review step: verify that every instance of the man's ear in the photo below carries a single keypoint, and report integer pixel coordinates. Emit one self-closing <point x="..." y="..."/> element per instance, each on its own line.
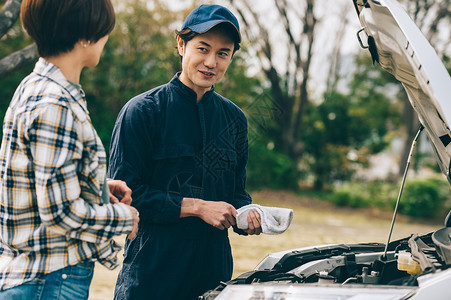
<point x="180" y="45"/>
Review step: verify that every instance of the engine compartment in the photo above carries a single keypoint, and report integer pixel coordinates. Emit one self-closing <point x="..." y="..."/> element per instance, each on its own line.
<point x="355" y="264"/>
<point x="409" y="259"/>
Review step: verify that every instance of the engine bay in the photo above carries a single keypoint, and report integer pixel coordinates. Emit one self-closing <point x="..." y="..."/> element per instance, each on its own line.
<point x="404" y="262"/>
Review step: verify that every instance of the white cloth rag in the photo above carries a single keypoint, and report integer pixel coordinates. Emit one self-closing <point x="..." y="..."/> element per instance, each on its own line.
<point x="274" y="220"/>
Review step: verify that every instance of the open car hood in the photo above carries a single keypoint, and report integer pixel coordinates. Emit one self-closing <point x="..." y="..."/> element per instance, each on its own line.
<point x="401" y="49"/>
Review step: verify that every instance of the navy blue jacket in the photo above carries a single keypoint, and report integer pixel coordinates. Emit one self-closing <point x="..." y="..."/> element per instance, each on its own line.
<point x="166" y="146"/>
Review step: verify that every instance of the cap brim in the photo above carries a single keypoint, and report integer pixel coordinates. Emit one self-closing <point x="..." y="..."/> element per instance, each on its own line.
<point x="206" y="26"/>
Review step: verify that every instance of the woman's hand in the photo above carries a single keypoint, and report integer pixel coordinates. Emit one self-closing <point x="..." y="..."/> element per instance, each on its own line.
<point x="119" y="189"/>
<point x="135" y="215"/>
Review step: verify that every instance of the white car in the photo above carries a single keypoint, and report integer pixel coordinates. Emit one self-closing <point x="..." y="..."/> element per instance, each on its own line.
<point x="417" y="267"/>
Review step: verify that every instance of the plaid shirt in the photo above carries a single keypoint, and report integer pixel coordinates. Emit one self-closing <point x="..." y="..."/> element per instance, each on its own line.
<point x="52" y="172"/>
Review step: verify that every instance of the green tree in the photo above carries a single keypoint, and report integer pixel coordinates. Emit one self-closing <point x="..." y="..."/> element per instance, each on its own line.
<point x="139" y="55"/>
<point x="345" y="129"/>
<point x="348" y="128"/>
<point x="288" y="80"/>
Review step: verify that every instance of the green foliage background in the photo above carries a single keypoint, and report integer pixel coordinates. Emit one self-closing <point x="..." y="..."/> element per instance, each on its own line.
<point x="426" y="198"/>
<point x="362" y="121"/>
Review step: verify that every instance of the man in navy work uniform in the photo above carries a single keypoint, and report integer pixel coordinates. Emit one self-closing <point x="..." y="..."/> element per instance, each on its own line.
<point x="182" y="148"/>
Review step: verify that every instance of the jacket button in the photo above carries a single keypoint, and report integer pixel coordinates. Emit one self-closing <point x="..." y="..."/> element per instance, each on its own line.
<point x="64" y="276"/>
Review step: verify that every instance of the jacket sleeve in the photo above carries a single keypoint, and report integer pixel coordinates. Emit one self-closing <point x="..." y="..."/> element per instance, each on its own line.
<point x="241" y="197"/>
<point x="131" y="161"/>
<point x="56" y="147"/>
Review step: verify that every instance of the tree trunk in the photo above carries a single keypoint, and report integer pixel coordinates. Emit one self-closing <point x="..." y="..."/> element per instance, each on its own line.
<point x="17" y="59"/>
<point x="9" y="15"/>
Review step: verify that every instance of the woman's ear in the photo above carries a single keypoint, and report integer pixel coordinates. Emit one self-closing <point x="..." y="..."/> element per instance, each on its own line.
<point x="180" y="45"/>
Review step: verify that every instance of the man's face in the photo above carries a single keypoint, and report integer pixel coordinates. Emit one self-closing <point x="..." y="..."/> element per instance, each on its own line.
<point x="206" y="58"/>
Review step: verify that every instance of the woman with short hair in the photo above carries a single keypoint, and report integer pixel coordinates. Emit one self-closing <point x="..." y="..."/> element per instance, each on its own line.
<point x="57" y="215"/>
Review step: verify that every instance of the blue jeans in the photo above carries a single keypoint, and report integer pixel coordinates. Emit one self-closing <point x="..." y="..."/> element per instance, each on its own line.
<point x="71" y="282"/>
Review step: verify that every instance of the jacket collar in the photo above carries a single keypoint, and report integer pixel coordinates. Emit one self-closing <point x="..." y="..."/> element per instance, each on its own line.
<point x="187" y="92"/>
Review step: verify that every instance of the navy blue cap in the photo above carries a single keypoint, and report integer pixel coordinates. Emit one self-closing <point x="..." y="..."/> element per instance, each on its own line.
<point x="206" y="16"/>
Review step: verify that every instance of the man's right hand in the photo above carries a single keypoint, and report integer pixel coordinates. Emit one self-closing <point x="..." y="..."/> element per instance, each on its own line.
<point x="135" y="215"/>
<point x="219" y="214"/>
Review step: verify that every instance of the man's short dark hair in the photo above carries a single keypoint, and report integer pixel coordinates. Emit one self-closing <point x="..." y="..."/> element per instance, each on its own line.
<point x="57" y="25"/>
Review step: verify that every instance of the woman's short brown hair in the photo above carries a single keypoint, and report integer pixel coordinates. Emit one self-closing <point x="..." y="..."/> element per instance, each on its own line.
<point x="57" y="25"/>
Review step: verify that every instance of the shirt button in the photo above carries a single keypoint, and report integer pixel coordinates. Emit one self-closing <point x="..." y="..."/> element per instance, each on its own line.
<point x="64" y="276"/>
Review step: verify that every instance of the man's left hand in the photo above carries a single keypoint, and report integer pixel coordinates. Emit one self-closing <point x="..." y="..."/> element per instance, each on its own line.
<point x="119" y="188"/>
<point x="254" y="221"/>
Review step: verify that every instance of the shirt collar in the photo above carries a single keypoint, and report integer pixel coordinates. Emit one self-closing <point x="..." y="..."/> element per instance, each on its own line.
<point x="189" y="94"/>
<point x="52" y="72"/>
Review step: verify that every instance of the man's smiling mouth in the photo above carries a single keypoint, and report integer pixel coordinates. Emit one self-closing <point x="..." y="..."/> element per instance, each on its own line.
<point x="206" y="73"/>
